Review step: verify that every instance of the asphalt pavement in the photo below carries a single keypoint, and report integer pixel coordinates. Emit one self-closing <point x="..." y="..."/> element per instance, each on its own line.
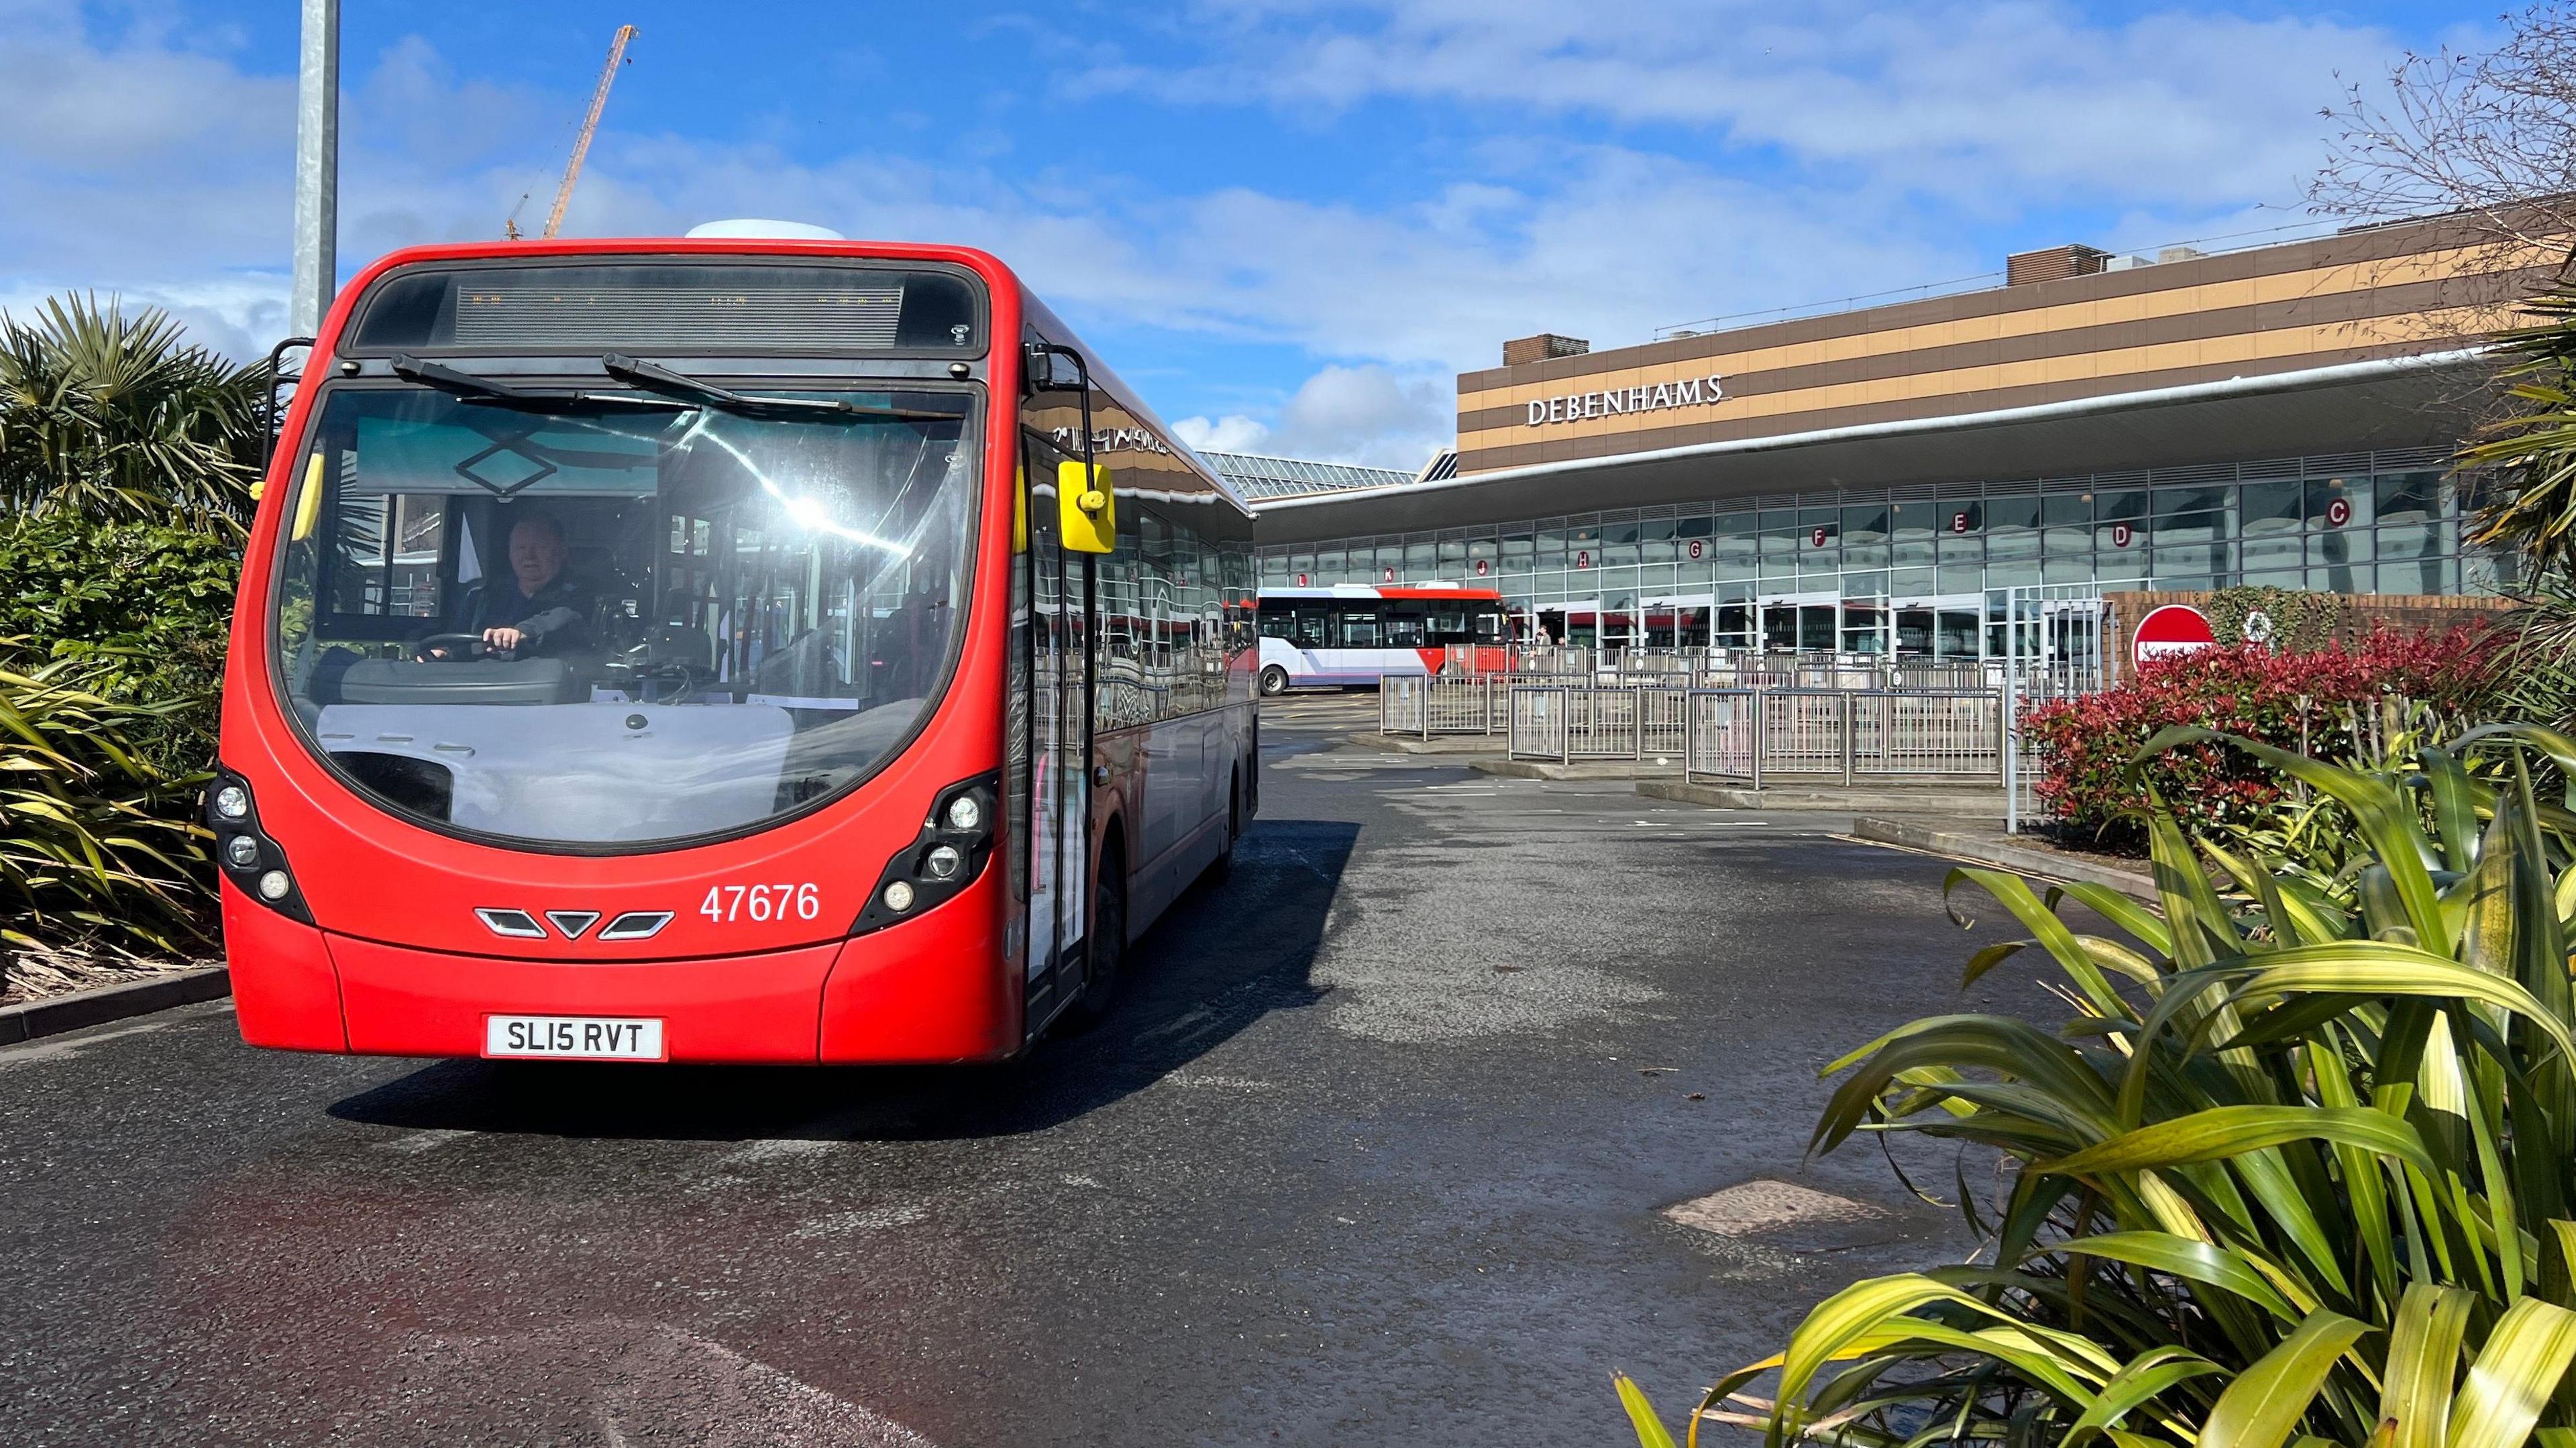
<point x="1374" y="1150"/>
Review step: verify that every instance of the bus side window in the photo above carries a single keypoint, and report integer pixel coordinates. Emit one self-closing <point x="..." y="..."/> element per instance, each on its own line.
<point x="1404" y="630"/>
<point x="1311" y="627"/>
<point x="1278" y="621"/>
<point x="1360" y="631"/>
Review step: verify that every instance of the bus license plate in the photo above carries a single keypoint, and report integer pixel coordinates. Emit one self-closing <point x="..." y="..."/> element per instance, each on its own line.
<point x="591" y="1038"/>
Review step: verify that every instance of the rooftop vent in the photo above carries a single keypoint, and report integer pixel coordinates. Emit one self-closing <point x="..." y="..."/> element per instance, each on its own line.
<point x="1542" y="347"/>
<point x="753" y="226"/>
<point x="2055" y="264"/>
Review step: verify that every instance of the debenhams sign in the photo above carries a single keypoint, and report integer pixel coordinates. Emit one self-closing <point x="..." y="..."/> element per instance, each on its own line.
<point x="1575" y="407"/>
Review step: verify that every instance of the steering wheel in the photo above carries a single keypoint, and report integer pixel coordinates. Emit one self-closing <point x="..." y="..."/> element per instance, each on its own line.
<point x="458" y="645"/>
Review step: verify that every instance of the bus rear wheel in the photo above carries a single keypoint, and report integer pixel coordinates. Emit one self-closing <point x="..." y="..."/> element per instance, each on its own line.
<point x="1274" y="680"/>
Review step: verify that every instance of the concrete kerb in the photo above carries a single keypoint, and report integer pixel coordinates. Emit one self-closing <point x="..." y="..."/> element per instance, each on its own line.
<point x="1580" y="769"/>
<point x="1976" y="849"/>
<point x="1903" y="799"/>
<point x="1436" y="744"/>
<point x="52" y="1016"/>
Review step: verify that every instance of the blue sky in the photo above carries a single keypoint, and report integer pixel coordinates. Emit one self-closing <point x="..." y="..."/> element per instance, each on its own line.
<point x="1289" y="223"/>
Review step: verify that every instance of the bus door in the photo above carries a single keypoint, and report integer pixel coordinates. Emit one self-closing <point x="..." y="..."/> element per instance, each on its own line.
<point x="1056" y="753"/>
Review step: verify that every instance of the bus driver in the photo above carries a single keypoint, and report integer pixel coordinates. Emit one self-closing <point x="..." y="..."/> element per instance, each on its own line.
<point x="537" y="610"/>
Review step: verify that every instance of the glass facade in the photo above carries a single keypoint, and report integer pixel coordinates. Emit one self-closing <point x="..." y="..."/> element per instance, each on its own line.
<point x="1927" y="569"/>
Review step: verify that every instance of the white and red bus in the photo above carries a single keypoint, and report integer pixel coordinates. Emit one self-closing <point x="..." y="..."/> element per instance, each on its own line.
<point x="695" y="650"/>
<point x="1354" y="633"/>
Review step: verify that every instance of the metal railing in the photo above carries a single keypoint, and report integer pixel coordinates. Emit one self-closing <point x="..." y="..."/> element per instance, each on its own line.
<point x="1422" y="706"/>
<point x="1748" y="735"/>
<point x="1565" y="723"/>
<point x="1402" y="704"/>
<point x="2025" y="763"/>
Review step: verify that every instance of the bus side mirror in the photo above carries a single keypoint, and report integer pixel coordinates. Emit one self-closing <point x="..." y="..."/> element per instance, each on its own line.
<point x="1087" y="509"/>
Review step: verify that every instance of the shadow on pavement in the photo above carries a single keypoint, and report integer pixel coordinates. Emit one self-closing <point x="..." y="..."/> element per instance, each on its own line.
<point x="1221" y="958"/>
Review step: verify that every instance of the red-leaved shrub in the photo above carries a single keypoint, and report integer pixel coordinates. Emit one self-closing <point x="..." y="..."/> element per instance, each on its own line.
<point x="2087" y="743"/>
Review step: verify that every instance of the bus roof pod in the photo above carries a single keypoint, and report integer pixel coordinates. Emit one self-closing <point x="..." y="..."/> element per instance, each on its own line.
<point x="744" y="227"/>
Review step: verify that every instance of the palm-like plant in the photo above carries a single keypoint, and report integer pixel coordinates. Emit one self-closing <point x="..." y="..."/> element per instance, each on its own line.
<point x="2298" y="1167"/>
<point x="114" y="416"/>
<point x="96" y="843"/>
<point x="2535" y="446"/>
<point x="2536" y="668"/>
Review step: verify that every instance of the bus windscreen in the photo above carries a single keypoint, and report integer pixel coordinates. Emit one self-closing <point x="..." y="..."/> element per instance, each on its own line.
<point x="621" y="619"/>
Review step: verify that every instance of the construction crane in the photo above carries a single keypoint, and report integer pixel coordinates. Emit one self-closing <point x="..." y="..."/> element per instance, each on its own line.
<point x="589" y="127"/>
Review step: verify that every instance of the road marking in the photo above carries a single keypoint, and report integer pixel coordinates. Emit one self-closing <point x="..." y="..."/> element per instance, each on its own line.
<point x="1190" y="1020"/>
<point x="1220" y="1083"/>
<point x="412" y="1143"/>
<point x="636" y="1381"/>
<point x="874" y="1219"/>
<point x="778" y="1149"/>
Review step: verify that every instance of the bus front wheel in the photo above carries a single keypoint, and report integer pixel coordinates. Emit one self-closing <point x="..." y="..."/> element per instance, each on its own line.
<point x="1108" y="943"/>
<point x="1274" y="680"/>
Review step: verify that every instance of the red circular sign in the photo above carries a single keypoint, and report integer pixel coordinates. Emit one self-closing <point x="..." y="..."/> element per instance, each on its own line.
<point x="1695" y="550"/>
<point x="1301" y="580"/>
<point x="2121" y="534"/>
<point x="1386" y="575"/>
<point x="2170" y="630"/>
<point x="1483" y="568"/>
<point x="1582" y="558"/>
<point x="1959" y="521"/>
<point x="2339" y="512"/>
<point x="1818" y="537"/>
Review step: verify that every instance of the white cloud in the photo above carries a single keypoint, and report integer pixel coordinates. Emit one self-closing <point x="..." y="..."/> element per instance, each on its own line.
<point x="132" y="163"/>
<point x="1343" y="414"/>
<point x="1369" y="415"/>
<point x="1233" y="432"/>
<point x="1980" y="98"/>
<point x="1621" y="243"/>
<point x="126" y="158"/>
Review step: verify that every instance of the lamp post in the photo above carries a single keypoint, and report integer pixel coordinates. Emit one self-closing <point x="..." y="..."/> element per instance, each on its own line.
<point x="317" y="169"/>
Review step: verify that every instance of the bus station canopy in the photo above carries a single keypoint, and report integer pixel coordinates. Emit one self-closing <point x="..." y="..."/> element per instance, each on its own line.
<point x="2384" y="404"/>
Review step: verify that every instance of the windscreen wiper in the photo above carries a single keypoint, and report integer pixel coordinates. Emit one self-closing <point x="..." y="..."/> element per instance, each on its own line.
<point x="484" y="389"/>
<point x="654" y="377"/>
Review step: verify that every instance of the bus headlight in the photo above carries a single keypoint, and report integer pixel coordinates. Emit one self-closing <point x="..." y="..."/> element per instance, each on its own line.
<point x="955" y="842"/>
<point x="249" y="858"/>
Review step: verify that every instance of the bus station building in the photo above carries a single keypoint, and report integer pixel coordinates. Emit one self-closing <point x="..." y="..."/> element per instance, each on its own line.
<point x="1896" y="479"/>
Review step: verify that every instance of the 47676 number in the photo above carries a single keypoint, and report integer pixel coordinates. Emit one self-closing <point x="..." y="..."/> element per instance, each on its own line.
<point x="727" y="904"/>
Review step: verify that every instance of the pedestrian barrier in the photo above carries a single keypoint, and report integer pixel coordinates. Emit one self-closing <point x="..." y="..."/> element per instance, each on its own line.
<point x="1748" y="735"/>
<point x="1571" y="722"/>
<point x="1422" y="706"/>
<point x="1767" y="728"/>
<point x="1401" y="704"/>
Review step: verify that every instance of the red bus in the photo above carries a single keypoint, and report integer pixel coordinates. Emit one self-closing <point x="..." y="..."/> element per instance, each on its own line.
<point x="693" y="650"/>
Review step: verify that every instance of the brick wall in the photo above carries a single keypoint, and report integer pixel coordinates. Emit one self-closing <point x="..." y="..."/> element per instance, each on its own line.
<point x="2406" y="612"/>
